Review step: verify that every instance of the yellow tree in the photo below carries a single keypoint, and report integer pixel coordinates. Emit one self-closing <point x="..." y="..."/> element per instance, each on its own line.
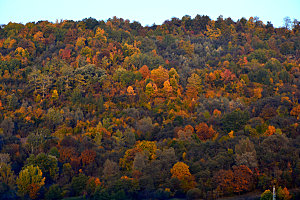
<point x="147" y="148"/>
<point x="21" y="54"/>
<point x="193" y="86"/>
<point x="212" y="32"/>
<point x="30" y="181"/>
<point x="181" y="171"/>
<point x="174" y="80"/>
<point x="187" y="47"/>
<point x="159" y="75"/>
<point x="55" y="95"/>
<point x="129" y="50"/>
<point x="100" y="35"/>
<point x="257" y="92"/>
<point x="167" y="87"/>
<point x="173" y="74"/>
<point x="38" y="37"/>
<point x="283" y="194"/>
<point x="151" y="89"/>
<point x="80" y="42"/>
<point x="130" y="91"/>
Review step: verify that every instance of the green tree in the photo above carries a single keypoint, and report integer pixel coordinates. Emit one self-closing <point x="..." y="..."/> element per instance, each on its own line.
<point x="7" y="126"/>
<point x="54" y="192"/>
<point x="47" y="163"/>
<point x="273" y="65"/>
<point x="7" y="176"/>
<point x="66" y="174"/>
<point x="89" y="74"/>
<point x="36" y="140"/>
<point x="235" y="120"/>
<point x="101" y="194"/>
<point x="267" y="195"/>
<point x="78" y="184"/>
<point x="53" y="117"/>
<point x="40" y="81"/>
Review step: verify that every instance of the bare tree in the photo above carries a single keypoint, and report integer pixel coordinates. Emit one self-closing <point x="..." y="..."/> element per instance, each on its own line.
<point x="287" y="22"/>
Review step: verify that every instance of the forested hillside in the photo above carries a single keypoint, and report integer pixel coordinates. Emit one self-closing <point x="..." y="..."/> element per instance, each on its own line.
<point x="193" y="108"/>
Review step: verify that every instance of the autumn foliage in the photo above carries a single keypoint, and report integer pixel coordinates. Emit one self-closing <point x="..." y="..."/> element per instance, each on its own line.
<point x="239" y="179"/>
<point x="204" y="132"/>
<point x="193" y="108"/>
<point x="181" y="171"/>
<point x="30" y="181"/>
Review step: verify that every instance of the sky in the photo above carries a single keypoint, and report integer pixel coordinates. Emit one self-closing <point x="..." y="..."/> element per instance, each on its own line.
<point x="146" y="12"/>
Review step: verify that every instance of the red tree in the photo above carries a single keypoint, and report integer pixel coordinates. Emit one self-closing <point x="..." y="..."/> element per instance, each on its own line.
<point x="204" y="132"/>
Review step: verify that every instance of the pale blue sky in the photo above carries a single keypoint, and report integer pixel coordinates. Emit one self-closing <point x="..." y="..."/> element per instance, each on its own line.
<point x="146" y="12"/>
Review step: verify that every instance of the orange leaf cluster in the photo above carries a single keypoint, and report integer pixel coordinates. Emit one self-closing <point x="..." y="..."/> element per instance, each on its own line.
<point x="270" y="131"/>
<point x="33" y="189"/>
<point x="88" y="156"/>
<point x="237" y="180"/>
<point x="159" y="76"/>
<point x="296" y="111"/>
<point x="204" y="132"/>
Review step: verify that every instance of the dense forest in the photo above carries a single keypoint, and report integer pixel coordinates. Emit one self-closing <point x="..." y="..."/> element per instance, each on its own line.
<point x="194" y="108"/>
